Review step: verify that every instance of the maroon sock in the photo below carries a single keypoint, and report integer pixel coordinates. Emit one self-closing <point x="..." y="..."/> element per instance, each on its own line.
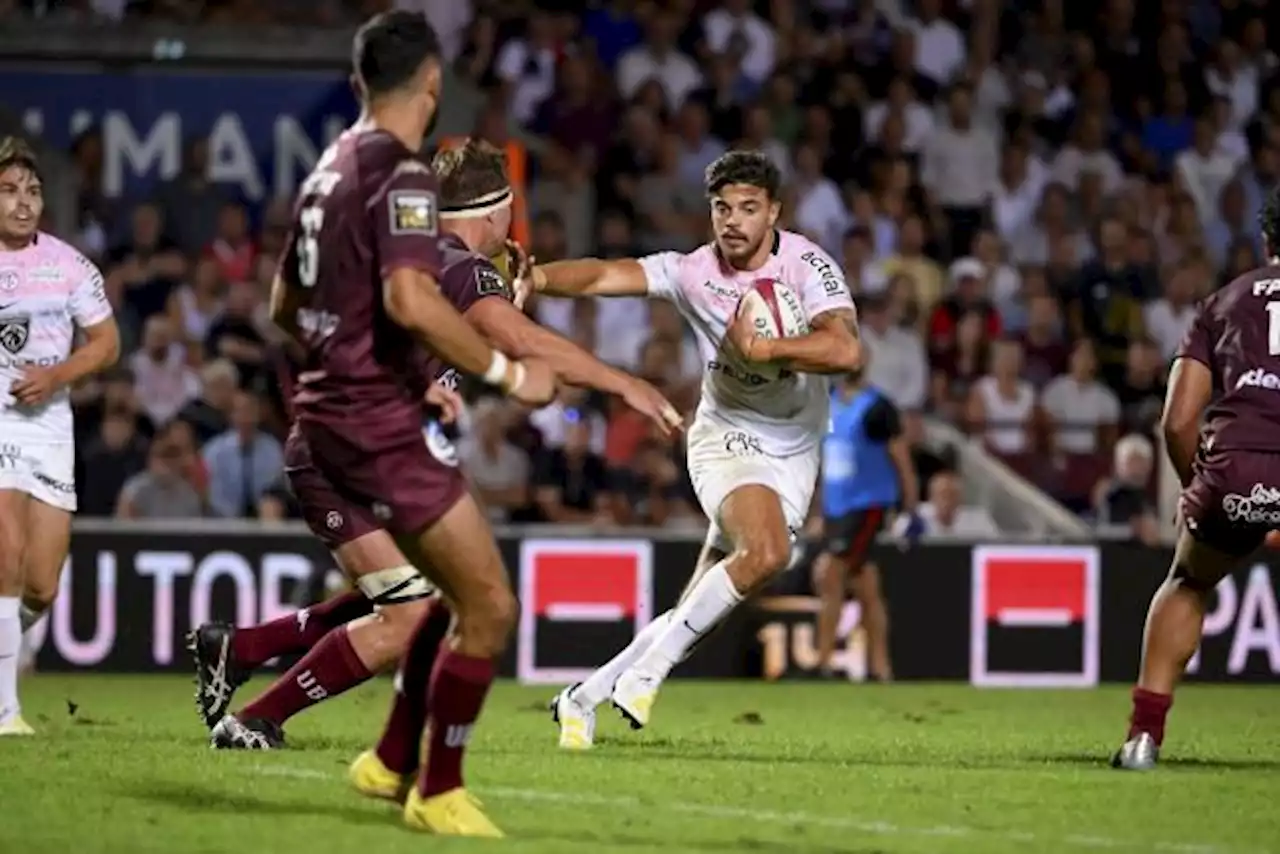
<point x="298" y="632"/>
<point x="455" y="696"/>
<point x="401" y="744"/>
<point x="1149" y="711"/>
<point x="330" y="668"/>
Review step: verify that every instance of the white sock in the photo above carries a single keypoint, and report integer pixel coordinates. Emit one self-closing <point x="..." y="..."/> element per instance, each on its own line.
<point x="599" y="685"/>
<point x="10" y="645"/>
<point x="28" y="617"/>
<point x="711" y="599"/>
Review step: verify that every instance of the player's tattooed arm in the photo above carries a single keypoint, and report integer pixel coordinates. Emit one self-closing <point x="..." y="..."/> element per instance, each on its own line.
<point x="832" y="347"/>
<point x="584" y="277"/>
<point x="1189" y="394"/>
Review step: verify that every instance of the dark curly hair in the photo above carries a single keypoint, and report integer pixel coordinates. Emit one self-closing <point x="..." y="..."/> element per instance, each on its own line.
<point x="388" y="50"/>
<point x="1269" y="219"/>
<point x="753" y="168"/>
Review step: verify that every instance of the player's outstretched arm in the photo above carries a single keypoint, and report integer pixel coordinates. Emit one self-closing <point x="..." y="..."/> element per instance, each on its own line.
<point x="1189" y="394"/>
<point x="413" y="300"/>
<point x="833" y="347"/>
<point x="591" y="277"/>
<point x="512" y="331"/>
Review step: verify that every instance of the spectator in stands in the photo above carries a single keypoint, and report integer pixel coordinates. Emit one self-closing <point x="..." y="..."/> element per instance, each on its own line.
<point x="1015" y="198"/>
<point x="526" y="66"/>
<point x="954" y="371"/>
<point x="1124" y="498"/>
<point x="862" y="272"/>
<point x="1002" y="410"/>
<point x="1141" y="392"/>
<point x="144" y="268"/>
<point x="1168" y="318"/>
<point x="1033" y="242"/>
<point x="163" y="380"/>
<point x="735" y="29"/>
<point x="1044" y="347"/>
<point x="111" y="458"/>
<point x="1104" y="305"/>
<point x="939" y="47"/>
<point x="191" y="204"/>
<point x="232" y="247"/>
<point x="959" y="167"/>
<point x="577" y="116"/>
<point x="209" y="414"/>
<point x="237" y="334"/>
<point x="572" y="481"/>
<point x="1083" y="419"/>
<point x="194" y="307"/>
<point x="569" y="408"/>
<point x="672" y="212"/>
<point x="1231" y="225"/>
<point x="243" y="463"/>
<point x="894" y="355"/>
<point x="1087" y="154"/>
<point x="968" y="297"/>
<point x="924" y="457"/>
<point x="162" y="490"/>
<point x="659" y="59"/>
<point x="945" y="517"/>
<point x="819" y="210"/>
<point x="649" y="491"/>
<point x="499" y="471"/>
<point x="900" y="102"/>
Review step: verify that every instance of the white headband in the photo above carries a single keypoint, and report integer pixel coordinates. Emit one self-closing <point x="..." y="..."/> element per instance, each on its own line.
<point x="482" y="206"/>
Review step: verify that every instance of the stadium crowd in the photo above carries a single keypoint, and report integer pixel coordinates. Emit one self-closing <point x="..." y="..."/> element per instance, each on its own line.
<point x="1027" y="199"/>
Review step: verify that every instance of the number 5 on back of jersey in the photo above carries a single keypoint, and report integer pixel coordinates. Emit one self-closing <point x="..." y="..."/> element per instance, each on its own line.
<point x="311" y="220"/>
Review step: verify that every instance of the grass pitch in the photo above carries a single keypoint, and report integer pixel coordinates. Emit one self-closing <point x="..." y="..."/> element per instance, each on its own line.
<point x="121" y="765"/>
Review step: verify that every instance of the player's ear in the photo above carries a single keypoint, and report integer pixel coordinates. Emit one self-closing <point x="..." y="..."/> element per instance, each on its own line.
<point x="775" y="210"/>
<point x="356" y="86"/>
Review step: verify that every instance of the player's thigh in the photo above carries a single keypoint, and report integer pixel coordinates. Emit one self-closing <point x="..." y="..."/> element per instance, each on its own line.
<point x="464" y="561"/>
<point x="1224" y="517"/>
<point x="48" y="542"/>
<point x="1202" y="564"/>
<point x="14" y="503"/>
<point x="754" y="520"/>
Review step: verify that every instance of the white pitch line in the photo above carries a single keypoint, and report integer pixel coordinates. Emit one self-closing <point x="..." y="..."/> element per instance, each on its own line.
<point x="791" y="818"/>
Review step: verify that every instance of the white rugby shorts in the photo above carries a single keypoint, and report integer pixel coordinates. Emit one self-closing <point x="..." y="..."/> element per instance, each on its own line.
<point x="44" y="470"/>
<point x="721" y="459"/>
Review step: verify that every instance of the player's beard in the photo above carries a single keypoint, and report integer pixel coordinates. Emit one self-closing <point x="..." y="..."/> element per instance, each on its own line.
<point x="740" y="251"/>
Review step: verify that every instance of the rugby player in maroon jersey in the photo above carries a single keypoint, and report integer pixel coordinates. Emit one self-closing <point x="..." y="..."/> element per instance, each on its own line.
<point x="1226" y="376"/>
<point x="358" y="289"/>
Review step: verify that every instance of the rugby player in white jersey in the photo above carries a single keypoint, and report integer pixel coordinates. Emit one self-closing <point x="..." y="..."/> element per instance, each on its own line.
<point x="48" y="290"/>
<point x="754" y="446"/>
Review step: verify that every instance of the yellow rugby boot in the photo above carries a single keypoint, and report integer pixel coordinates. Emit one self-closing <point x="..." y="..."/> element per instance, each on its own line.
<point x="16" y="726"/>
<point x="452" y="813"/>
<point x="372" y="779"/>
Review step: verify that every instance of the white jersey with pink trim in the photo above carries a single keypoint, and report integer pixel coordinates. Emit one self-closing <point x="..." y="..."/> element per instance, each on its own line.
<point x="788" y="414"/>
<point x="46" y="291"/>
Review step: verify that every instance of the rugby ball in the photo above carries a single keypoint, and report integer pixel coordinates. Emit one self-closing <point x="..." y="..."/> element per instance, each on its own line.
<point x="773" y="310"/>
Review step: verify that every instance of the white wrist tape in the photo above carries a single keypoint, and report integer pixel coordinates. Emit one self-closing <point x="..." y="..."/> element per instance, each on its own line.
<point x="518" y="379"/>
<point x="497" y="369"/>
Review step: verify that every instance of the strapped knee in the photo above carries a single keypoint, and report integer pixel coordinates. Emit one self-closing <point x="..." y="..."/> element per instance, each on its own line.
<point x="395" y="586"/>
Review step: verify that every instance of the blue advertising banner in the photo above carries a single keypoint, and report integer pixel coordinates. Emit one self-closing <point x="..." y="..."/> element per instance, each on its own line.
<point x="265" y="131"/>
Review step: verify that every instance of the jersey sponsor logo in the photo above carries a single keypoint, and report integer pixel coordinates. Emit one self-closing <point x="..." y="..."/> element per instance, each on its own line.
<point x="1260" y="507"/>
<point x="450" y="378"/>
<point x="720" y="290"/>
<point x="56" y="485"/>
<point x="413" y="212"/>
<point x="9" y="280"/>
<point x="47" y="274"/>
<point x="489" y="282"/>
<point x="10" y="455"/>
<point x="14" y="333"/>
<point x="742" y="444"/>
<point x="1259" y="378"/>
<point x="444" y="451"/>
<point x="29" y="361"/>
<point x="743" y="376"/>
<point x="317" y="323"/>
<point x="1035" y="617"/>
<point x="1266" y="287"/>
<point x="832" y="280"/>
